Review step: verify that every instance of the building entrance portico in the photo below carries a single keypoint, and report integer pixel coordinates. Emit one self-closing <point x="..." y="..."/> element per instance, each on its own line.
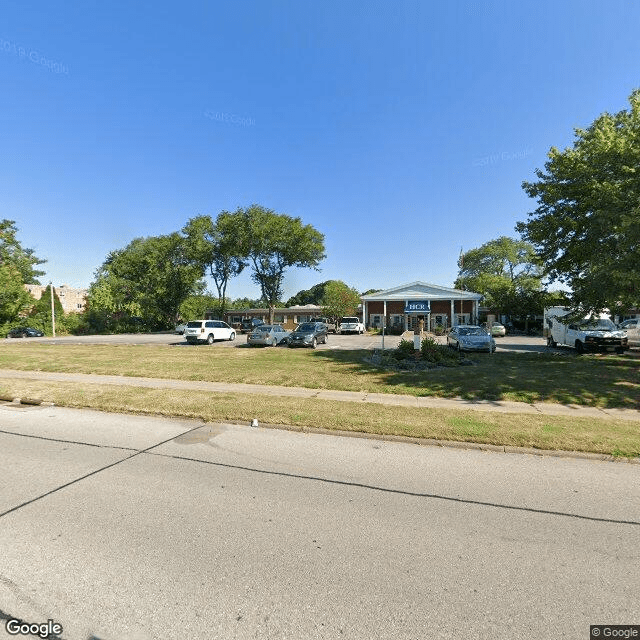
<point x="404" y="306"/>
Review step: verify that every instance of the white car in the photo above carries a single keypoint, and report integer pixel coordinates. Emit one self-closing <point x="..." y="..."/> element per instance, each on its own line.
<point x="208" y="331"/>
<point x="351" y="324"/>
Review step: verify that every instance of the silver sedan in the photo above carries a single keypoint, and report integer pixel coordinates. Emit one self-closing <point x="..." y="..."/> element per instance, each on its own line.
<point x="267" y="335"/>
<point x="469" y="337"/>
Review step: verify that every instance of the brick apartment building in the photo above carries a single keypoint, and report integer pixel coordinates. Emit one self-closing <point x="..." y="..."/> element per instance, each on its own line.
<point x="72" y="300"/>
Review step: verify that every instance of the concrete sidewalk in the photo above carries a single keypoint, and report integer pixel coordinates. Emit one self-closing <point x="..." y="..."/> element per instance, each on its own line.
<point x="541" y="408"/>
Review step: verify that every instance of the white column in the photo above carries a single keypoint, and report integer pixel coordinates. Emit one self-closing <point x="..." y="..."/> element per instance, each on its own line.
<point x="453" y="313"/>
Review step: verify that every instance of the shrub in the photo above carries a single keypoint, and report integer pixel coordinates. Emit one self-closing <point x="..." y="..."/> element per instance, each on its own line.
<point x="431" y="351"/>
<point x="404" y="350"/>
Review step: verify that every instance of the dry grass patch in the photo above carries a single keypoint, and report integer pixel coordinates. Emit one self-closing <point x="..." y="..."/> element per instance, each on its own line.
<point x="613" y="437"/>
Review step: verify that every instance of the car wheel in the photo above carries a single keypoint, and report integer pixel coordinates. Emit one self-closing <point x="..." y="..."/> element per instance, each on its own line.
<point x="325" y="339"/>
<point x="24" y="335"/>
<point x="210" y="339"/>
<point x="459" y="348"/>
<point x="232" y="336"/>
<point x="314" y="343"/>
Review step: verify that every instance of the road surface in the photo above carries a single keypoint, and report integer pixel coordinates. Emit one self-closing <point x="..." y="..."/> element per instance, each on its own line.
<point x="122" y="527"/>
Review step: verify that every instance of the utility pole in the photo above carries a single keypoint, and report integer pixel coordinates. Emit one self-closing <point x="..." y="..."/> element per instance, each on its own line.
<point x="53" y="311"/>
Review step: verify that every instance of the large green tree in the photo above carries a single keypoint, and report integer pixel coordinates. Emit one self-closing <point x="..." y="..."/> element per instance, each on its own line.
<point x="18" y="266"/>
<point x="150" y="277"/>
<point x="309" y="296"/>
<point x="194" y="307"/>
<point x="12" y="252"/>
<point x="217" y="248"/>
<point x="586" y="228"/>
<point x="275" y="242"/>
<point x="339" y="300"/>
<point x="14" y="298"/>
<point x="507" y="273"/>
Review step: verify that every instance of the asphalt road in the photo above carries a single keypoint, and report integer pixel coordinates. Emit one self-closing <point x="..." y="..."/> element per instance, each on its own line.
<point x="122" y="527"/>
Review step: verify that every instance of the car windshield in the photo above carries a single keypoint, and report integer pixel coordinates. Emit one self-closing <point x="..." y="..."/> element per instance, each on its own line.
<point x="349" y="319"/>
<point x="264" y="328"/>
<point x="601" y="324"/>
<point x="306" y="327"/>
<point x="472" y="331"/>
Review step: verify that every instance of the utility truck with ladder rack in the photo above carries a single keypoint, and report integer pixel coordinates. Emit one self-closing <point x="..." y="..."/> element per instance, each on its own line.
<point x="593" y="333"/>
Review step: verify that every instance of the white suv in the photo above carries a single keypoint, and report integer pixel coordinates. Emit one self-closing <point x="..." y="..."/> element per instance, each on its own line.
<point x="208" y="331"/>
<point x="351" y="325"/>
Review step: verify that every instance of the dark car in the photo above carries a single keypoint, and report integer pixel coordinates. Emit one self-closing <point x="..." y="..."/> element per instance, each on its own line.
<point x="24" y="332"/>
<point x="249" y="324"/>
<point x="309" y="334"/>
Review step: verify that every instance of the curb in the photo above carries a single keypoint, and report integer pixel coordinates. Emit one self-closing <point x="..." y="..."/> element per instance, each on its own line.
<point x="424" y="442"/>
<point x="36" y="402"/>
<point x="451" y="444"/>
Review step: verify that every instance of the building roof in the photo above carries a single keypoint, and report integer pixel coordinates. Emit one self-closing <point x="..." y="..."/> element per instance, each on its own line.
<point x="421" y="291"/>
<point x="305" y="308"/>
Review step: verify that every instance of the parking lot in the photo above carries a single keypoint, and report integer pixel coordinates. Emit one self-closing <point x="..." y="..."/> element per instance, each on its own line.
<point x="348" y="341"/>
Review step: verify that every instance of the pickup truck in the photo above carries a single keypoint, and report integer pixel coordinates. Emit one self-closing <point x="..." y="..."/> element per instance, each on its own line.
<point x="589" y="334"/>
<point x="351" y="324"/>
<point x="331" y="325"/>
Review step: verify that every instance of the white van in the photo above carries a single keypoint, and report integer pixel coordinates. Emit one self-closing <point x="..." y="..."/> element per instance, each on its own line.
<point x="596" y="333"/>
<point x="633" y="335"/>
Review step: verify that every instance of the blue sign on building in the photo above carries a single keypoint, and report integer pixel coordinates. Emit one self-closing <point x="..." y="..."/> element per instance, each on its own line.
<point x="417" y="306"/>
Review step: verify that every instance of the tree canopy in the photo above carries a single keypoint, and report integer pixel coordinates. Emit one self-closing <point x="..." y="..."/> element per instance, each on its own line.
<point x="18" y="266"/>
<point x="194" y="307"/>
<point x="217" y="248"/>
<point x="507" y="273"/>
<point x="150" y="277"/>
<point x="314" y="295"/>
<point x="339" y="300"/>
<point x="586" y="228"/>
<point x="12" y="252"/>
<point x="275" y="242"/>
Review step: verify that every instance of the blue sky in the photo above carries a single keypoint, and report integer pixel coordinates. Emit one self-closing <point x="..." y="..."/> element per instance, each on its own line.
<point x="401" y="130"/>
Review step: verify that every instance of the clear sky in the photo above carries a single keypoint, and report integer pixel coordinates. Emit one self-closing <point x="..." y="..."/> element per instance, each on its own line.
<point x="402" y="129"/>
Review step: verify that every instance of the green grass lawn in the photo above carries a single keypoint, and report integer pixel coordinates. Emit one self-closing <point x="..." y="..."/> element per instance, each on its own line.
<point x="591" y="380"/>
